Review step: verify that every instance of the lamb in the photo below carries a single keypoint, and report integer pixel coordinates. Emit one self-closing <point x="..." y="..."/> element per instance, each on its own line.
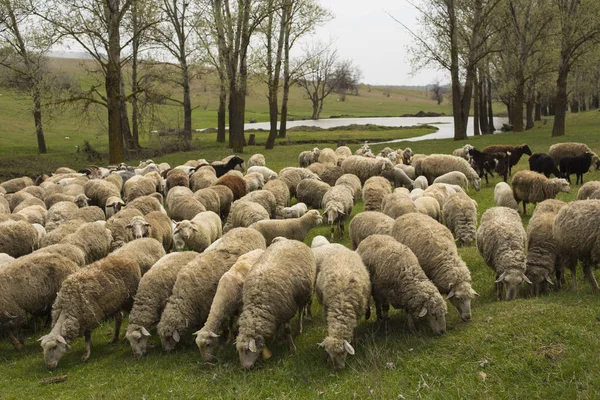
<point x="454" y="178"/>
<point x="460" y="216"/>
<point x="409" y="170"/>
<point x="244" y="214"/>
<point x="280" y="284"/>
<point x="18" y="238"/>
<point x="544" y="164"/>
<point x="196" y="284"/>
<point x="254" y="181"/>
<point x="501" y="241"/>
<point x="365" y="168"/>
<point x="257" y="160"/>
<point x="198" y="233"/>
<point x="86" y="298"/>
<point x="209" y="199"/>
<point x="421" y="183"/>
<point x="542" y="251"/>
<point x="99" y="191"/>
<point x="435" y="249"/>
<point x="463" y="152"/>
<point x="396" y="204"/>
<point x="16" y="184"/>
<point x="229" y="163"/>
<point x="226" y="305"/>
<point x="439" y="164"/>
<point x="203" y="177"/>
<point x="295" y="211"/>
<point x="295" y="228"/>
<point x="559" y="150"/>
<point x="153" y="291"/>
<point x="504" y="196"/>
<point x="94" y="239"/>
<point x="514" y="152"/>
<point x="177" y="177"/>
<point x="532" y="187"/>
<point x="337" y="206"/>
<point x="576" y="230"/>
<point x="588" y="191"/>
<point x="29" y="286"/>
<point x="327" y="156"/>
<point x="267" y="173"/>
<point x="235" y="183"/>
<point x="343" y="288"/>
<point x="577" y="165"/>
<point x="364" y="149"/>
<point x="369" y="223"/>
<point x="398" y="280"/>
<point x="117" y="224"/>
<point x="374" y="190"/>
<point x="114" y="204"/>
<point x="353" y="183"/>
<point x="311" y="192"/>
<point x="308" y="157"/>
<point x="144" y="251"/>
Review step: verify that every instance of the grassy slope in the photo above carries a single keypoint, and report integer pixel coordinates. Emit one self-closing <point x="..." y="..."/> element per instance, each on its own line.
<point x="527" y="348"/>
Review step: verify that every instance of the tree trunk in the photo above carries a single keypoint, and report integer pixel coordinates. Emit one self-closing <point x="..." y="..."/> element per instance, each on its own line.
<point x="476" y="130"/>
<point x="221" y="117"/>
<point x="274" y="81"/>
<point x="517" y="104"/>
<point x="236" y="121"/>
<point x="286" y="84"/>
<point x="538" y="112"/>
<point x="574" y="106"/>
<point x="561" y="101"/>
<point x="315" y="109"/>
<point x="483" y="122"/>
<point x="595" y="102"/>
<point x="529" y="112"/>
<point x="37" y="118"/>
<point x="187" y="103"/>
<point x="135" y="44"/>
<point x="460" y="129"/>
<point x="491" y="126"/>
<point x="125" y="128"/>
<point x="509" y="111"/>
<point x="112" y="84"/>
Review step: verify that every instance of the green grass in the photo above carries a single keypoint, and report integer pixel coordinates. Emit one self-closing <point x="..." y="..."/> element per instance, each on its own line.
<point x="528" y="348"/>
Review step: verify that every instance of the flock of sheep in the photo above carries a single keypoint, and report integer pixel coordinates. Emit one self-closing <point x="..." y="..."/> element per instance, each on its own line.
<point x="205" y="248"/>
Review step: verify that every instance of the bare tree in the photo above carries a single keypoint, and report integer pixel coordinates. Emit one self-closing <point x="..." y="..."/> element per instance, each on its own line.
<point x="437" y="91"/>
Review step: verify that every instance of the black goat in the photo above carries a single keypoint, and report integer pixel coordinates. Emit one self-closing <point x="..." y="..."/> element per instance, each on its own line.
<point x="485" y="163"/>
<point x="514" y="152"/>
<point x="222" y="169"/>
<point x="544" y="164"/>
<point x="577" y="165"/>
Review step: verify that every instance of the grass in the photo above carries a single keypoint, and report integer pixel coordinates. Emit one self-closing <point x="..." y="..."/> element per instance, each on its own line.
<point x="528" y="348"/>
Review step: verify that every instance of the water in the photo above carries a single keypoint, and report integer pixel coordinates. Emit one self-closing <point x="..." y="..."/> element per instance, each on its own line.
<point x="445" y="125"/>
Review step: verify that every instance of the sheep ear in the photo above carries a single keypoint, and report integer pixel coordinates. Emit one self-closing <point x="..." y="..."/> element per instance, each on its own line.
<point x="348" y="347"/>
<point x="252" y="346"/>
<point x="526" y="279"/>
<point x="196" y="333"/>
<point x="501" y="278"/>
<point x="194" y="229"/>
<point x="176" y="336"/>
<point x="474" y="293"/>
<point x="450" y="295"/>
<point x="212" y="334"/>
<point x="549" y="280"/>
<point x="147" y="224"/>
<point x="128" y="226"/>
<point x="62" y="340"/>
<point x="43" y="337"/>
<point x="145" y="332"/>
<point x="423" y="312"/>
<point x="322" y="344"/>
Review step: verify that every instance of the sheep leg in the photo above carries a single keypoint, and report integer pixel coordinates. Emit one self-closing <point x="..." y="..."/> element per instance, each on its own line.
<point x="385" y="308"/>
<point x="524" y="207"/>
<point x="332" y="232"/>
<point x="588" y="271"/>
<point x="499" y="291"/>
<point x="287" y="329"/>
<point x="411" y="324"/>
<point x="15" y="340"/>
<point x="300" y="317"/>
<point x="88" y="345"/>
<point x="118" y="321"/>
<point x="573" y="269"/>
<point x="308" y="309"/>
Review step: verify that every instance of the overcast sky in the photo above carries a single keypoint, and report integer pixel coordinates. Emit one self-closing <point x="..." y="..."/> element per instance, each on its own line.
<point x="364" y="32"/>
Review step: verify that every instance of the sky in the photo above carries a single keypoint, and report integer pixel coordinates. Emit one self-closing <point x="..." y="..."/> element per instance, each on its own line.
<point x="363" y="31"/>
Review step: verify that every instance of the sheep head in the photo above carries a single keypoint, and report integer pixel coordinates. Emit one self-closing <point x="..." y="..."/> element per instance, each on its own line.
<point x="54" y="344"/>
<point x="249" y="350"/>
<point x="169" y="340"/>
<point x="436" y="320"/>
<point x="337" y="349"/>
<point x="314" y="216"/>
<point x="563" y="185"/>
<point x="460" y="296"/>
<point x="511" y="279"/>
<point x="476" y="183"/>
<point x="138" y="339"/>
<point x="334" y="210"/>
<point x="81" y="200"/>
<point x="140" y="228"/>
<point x="207" y="341"/>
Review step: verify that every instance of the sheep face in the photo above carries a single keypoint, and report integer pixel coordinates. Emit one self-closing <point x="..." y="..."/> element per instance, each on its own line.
<point x="249" y="351"/>
<point x="138" y="339"/>
<point x="81" y="201"/>
<point x="183" y="231"/>
<point x="564" y="185"/>
<point x="54" y="346"/>
<point x="460" y="296"/>
<point x="337" y="349"/>
<point x="207" y="342"/>
<point x="476" y="184"/>
<point x="437" y="322"/>
<point x="139" y="228"/>
<point x="169" y="340"/>
<point x="510" y="281"/>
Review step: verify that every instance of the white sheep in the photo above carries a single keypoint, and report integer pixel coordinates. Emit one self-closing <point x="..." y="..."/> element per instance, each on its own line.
<point x="436" y="165"/>
<point x="198" y="233"/>
<point x="337" y="206"/>
<point x="267" y="173"/>
<point x="533" y="187"/>
<point x="295" y="228"/>
<point x="373" y="192"/>
<point x="454" y="178"/>
<point x="256" y="160"/>
<point x="254" y="181"/>
<point x="460" y="216"/>
<point x="504" y="197"/>
<point x="420" y="183"/>
<point x="365" y="168"/>
<point x="295" y="211"/>
<point x="353" y="183"/>
<point x="369" y="223"/>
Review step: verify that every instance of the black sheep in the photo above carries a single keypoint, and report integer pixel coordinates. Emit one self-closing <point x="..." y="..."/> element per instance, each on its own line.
<point x="544" y="164"/>
<point x="222" y="169"/>
<point x="514" y="152"/>
<point x="577" y="165"/>
<point x="485" y="163"/>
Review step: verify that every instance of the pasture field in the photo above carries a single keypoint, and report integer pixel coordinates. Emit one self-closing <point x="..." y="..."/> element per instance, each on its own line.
<point x="543" y="347"/>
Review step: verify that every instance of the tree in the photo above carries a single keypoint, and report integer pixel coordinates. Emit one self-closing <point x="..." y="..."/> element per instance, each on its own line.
<point x="24" y="56"/>
<point x="437" y="92"/>
<point x="579" y="28"/>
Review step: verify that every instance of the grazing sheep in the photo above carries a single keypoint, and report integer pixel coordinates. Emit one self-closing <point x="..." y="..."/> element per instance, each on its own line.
<point x="29" y="286"/>
<point x="176" y="177"/>
<point x="532" y="187"/>
<point x="399" y="178"/>
<point x="116" y="180"/>
<point x="99" y="191"/>
<point x="86" y="298"/>
<point x="409" y="170"/>
<point x="589" y="190"/>
<point x="295" y="211"/>
<point x="4" y="206"/>
<point x="16" y="184"/>
<point x="198" y="233"/>
<point x="257" y="160"/>
<point x="235" y="183"/>
<point x="440" y="192"/>
<point x="439" y="164"/>
<point x="267" y="173"/>
<point x="308" y="157"/>
<point x="243" y="214"/>
<point x="396" y="204"/>
<point x="311" y="192"/>
<point x="398" y="280"/>
<point x="327" y="156"/>
<point x="337" y="206"/>
<point x="203" y="177"/>
<point x="454" y="178"/>
<point x="576" y="230"/>
<point x="559" y="150"/>
<point x="254" y="181"/>
<point x="501" y="241"/>
<point x="460" y="216"/>
<point x="353" y="183"/>
<point x="342" y="153"/>
<point x="156" y="225"/>
<point x="577" y="165"/>
<point x="544" y="164"/>
<point x="70" y="251"/>
<point x="117" y="224"/>
<point x="18" y="238"/>
<point x="428" y="206"/>
<point x="265" y="199"/>
<point x="226" y="305"/>
<point x="436" y="251"/>
<point x="144" y="251"/>
<point x="279" y="285"/>
<point x="416" y="193"/>
<point x="343" y="288"/>
<point x="138" y="186"/>
<point x="196" y="284"/>
<point x="94" y="239"/>
<point x="28" y="202"/>
<point x="514" y="152"/>
<point x="146" y="205"/>
<point x="89" y="214"/>
<point x="373" y="192"/>
<point x="317" y="168"/>
<point x="228" y="164"/>
<point x="153" y="291"/>
<point x="295" y="228"/>
<point x="504" y="196"/>
<point x="331" y="174"/>
<point x="225" y="198"/>
<point x="365" y="168"/>
<point x="292" y="177"/>
<point x="209" y="199"/>
<point x="420" y="183"/>
<point x="281" y="192"/>
<point x="183" y="206"/>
